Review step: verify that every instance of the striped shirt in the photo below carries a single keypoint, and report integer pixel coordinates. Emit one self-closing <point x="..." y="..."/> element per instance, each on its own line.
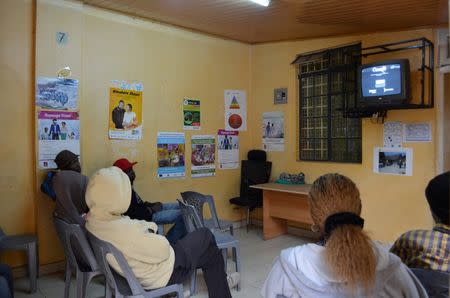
<point x="425" y="249"/>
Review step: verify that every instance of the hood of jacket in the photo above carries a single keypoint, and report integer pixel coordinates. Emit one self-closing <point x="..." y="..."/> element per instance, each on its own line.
<point x="307" y="269"/>
<point x="108" y="194"/>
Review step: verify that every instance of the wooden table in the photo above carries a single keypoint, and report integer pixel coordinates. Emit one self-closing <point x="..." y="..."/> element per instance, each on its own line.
<point x="283" y="203"/>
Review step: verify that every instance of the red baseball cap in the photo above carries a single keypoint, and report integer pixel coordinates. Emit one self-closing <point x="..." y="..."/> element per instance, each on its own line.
<point x="124" y="164"/>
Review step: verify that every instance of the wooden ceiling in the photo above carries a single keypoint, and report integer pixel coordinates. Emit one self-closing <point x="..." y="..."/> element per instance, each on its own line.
<point x="285" y="19"/>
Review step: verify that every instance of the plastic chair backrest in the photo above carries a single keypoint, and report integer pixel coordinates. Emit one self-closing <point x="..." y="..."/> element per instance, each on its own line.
<point x="76" y="246"/>
<point x="436" y="283"/>
<point x="190" y="216"/>
<point x="126" y="283"/>
<point x="198" y="200"/>
<point x="254" y="172"/>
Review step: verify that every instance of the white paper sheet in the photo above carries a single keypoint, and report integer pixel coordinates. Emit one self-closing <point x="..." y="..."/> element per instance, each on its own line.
<point x="393" y="134"/>
<point x="417" y="132"/>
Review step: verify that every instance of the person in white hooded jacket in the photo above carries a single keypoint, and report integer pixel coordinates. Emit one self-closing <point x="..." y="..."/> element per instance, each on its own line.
<point x="154" y="262"/>
<point x="346" y="263"/>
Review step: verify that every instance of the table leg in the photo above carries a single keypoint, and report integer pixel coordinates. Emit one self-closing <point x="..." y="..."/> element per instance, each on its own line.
<point x="272" y="227"/>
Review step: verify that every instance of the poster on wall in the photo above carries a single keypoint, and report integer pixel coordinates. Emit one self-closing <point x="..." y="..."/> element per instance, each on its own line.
<point x="57" y="131"/>
<point x="393" y="134"/>
<point x="203" y="156"/>
<point x="56" y="94"/>
<point x="273" y="131"/>
<point x="417" y="132"/>
<point x="235" y="110"/>
<point x="125" y="85"/>
<point x="191" y="114"/>
<point x="393" y="161"/>
<point x="125" y="114"/>
<point x="171" y="155"/>
<point x="228" y="149"/>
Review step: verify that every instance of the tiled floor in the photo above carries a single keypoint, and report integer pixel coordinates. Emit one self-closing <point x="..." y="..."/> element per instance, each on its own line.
<point x="257" y="256"/>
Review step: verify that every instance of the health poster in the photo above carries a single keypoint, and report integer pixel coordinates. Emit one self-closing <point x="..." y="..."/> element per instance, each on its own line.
<point x="273" y="131"/>
<point x="56" y="94"/>
<point x="125" y="114"/>
<point x="171" y="155"/>
<point x="191" y="114"/>
<point x="235" y="110"/>
<point x="203" y="156"/>
<point x="57" y="131"/>
<point x="228" y="142"/>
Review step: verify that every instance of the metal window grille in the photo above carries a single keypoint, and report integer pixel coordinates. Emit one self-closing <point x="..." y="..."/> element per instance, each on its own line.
<point x="326" y="79"/>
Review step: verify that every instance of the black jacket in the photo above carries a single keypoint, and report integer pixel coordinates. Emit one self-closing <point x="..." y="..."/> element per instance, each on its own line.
<point x="117" y="117"/>
<point x="142" y="210"/>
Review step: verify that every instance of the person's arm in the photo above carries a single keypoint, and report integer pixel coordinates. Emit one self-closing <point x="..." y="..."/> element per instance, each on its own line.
<point x="146" y="246"/>
<point x="115" y="119"/>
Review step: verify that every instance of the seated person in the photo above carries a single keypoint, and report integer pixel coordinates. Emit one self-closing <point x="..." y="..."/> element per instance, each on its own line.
<point x="69" y="186"/>
<point x="167" y="213"/>
<point x="348" y="264"/>
<point x="429" y="249"/>
<point x="6" y="282"/>
<point x="153" y="260"/>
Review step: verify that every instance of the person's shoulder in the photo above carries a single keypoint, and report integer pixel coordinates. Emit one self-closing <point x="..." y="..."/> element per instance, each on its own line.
<point x="67" y="174"/>
<point x="410" y="237"/>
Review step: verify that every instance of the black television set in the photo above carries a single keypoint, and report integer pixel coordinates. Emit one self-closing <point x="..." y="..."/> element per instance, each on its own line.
<point x="384" y="83"/>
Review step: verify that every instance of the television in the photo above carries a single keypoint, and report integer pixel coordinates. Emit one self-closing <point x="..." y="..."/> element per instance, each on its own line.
<point x="384" y="83"/>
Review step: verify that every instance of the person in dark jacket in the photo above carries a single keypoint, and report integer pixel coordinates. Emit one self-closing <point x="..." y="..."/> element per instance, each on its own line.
<point x="55" y="130"/>
<point x="167" y="213"/>
<point x="69" y="186"/>
<point x="117" y="115"/>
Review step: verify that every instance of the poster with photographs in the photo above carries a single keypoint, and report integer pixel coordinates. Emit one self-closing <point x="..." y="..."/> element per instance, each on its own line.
<point x="56" y="94"/>
<point x="235" y="110"/>
<point x="171" y="155"/>
<point x="203" y="156"/>
<point x="393" y="161"/>
<point x="273" y="131"/>
<point x="228" y="149"/>
<point x="57" y="131"/>
<point x="191" y="114"/>
<point x="125" y="114"/>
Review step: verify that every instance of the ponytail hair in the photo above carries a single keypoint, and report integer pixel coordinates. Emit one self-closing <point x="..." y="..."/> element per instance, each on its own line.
<point x="348" y="249"/>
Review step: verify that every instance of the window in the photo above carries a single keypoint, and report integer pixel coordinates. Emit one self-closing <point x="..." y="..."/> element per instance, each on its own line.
<point x="328" y="83"/>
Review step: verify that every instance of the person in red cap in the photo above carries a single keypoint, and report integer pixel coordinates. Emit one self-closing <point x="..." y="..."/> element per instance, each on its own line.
<point x="167" y="213"/>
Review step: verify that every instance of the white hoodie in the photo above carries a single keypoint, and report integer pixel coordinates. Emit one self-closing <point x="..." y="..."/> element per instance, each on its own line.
<point x="149" y="255"/>
<point x="302" y="271"/>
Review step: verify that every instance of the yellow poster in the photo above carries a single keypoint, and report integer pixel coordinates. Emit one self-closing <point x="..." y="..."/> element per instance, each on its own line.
<point x="125" y="114"/>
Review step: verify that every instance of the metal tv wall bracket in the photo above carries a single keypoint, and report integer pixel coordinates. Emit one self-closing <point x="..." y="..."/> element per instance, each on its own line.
<point x="426" y="72"/>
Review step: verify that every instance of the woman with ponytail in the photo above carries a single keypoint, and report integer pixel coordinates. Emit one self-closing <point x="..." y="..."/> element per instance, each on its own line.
<point x="346" y="263"/>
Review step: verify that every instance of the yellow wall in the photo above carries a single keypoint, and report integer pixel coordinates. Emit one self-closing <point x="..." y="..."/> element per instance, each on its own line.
<point x="172" y="64"/>
<point x="391" y="204"/>
<point x="17" y="213"/>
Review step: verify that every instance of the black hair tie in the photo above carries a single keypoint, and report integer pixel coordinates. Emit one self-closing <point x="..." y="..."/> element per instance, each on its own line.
<point x="342" y="218"/>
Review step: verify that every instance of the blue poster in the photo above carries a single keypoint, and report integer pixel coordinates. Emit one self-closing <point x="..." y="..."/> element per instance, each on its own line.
<point x="171" y="155"/>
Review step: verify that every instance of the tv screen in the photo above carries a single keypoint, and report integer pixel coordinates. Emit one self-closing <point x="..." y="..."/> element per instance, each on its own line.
<point x="382" y="80"/>
<point x="384" y="83"/>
